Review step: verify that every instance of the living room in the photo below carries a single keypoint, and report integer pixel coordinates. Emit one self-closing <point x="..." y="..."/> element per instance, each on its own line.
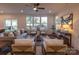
<point x="39" y="28"/>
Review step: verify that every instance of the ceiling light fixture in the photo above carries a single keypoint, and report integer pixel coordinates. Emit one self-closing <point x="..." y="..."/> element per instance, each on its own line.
<point x="1" y="11"/>
<point x="50" y="11"/>
<point x="22" y="11"/>
<point x="35" y="8"/>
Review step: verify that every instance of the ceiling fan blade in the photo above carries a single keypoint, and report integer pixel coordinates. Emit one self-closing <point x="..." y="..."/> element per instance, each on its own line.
<point x="28" y="5"/>
<point x="41" y="8"/>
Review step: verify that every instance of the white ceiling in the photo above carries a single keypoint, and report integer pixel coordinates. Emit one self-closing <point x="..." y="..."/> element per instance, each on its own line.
<point x="55" y="8"/>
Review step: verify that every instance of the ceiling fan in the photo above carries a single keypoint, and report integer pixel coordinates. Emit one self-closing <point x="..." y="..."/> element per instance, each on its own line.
<point x="36" y="7"/>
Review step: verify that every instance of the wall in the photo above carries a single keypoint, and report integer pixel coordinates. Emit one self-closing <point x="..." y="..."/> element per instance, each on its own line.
<point x="51" y="21"/>
<point x="21" y="20"/>
<point x="75" y="37"/>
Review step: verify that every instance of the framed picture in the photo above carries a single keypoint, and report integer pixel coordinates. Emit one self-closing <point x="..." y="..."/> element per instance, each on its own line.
<point x="67" y="23"/>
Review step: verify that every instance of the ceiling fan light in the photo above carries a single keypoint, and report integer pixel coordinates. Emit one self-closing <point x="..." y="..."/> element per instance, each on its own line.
<point x="35" y="9"/>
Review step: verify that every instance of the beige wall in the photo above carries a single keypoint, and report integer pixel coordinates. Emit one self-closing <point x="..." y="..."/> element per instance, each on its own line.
<point x="21" y="20"/>
<point x="51" y="20"/>
<point x="75" y="40"/>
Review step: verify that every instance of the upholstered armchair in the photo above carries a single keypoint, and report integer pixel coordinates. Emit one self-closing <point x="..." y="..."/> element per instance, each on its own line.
<point x="33" y="30"/>
<point x="49" y="32"/>
<point x="54" y="46"/>
<point x="43" y="30"/>
<point x="23" y="46"/>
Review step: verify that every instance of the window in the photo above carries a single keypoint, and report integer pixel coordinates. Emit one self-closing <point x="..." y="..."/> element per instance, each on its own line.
<point x="29" y="21"/>
<point x="14" y="24"/>
<point x="44" y="21"/>
<point x="11" y="25"/>
<point x="35" y="21"/>
<point x="58" y="23"/>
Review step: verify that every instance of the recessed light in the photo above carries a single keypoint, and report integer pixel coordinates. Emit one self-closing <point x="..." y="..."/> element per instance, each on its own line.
<point x="22" y="11"/>
<point x="50" y="11"/>
<point x="1" y="11"/>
